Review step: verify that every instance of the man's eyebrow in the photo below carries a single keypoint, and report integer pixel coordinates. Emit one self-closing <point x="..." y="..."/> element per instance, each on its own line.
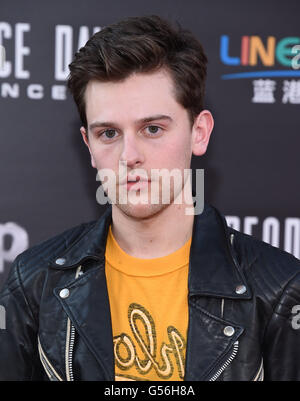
<point x="142" y="120"/>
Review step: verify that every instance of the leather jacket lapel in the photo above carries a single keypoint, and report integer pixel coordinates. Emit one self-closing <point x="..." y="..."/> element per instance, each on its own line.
<point x="88" y="309"/>
<point x="208" y="347"/>
<point x="213" y="268"/>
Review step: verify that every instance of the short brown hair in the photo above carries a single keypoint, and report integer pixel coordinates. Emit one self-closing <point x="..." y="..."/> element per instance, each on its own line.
<point x="141" y="44"/>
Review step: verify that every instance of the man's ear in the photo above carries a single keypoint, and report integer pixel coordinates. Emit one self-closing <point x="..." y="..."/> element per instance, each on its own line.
<point x="86" y="141"/>
<point x="202" y="128"/>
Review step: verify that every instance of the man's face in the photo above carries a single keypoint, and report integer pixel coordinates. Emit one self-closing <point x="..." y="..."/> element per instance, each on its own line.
<point x="139" y="124"/>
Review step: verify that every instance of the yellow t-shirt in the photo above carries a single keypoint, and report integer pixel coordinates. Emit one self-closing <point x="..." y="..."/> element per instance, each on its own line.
<point x="149" y="311"/>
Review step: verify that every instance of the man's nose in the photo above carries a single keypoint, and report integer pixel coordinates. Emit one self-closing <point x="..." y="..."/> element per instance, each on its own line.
<point x="131" y="152"/>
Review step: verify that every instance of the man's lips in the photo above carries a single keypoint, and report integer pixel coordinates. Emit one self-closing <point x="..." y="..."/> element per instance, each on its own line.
<point x="134" y="180"/>
<point x="137" y="182"/>
<point x="137" y="185"/>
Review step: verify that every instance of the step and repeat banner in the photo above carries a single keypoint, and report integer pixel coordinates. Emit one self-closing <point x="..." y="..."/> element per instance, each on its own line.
<point x="253" y="91"/>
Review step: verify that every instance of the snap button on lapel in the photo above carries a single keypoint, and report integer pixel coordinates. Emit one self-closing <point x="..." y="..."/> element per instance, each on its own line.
<point x="60" y="261"/>
<point x="64" y="293"/>
<point x="228" y="331"/>
<point x="240" y="289"/>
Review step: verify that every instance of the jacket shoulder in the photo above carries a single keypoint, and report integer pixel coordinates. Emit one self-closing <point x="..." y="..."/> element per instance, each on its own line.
<point x="252" y="249"/>
<point x="38" y="257"/>
<point x="269" y="268"/>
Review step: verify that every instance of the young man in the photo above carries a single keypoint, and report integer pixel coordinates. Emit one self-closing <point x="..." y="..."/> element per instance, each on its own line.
<point x="149" y="291"/>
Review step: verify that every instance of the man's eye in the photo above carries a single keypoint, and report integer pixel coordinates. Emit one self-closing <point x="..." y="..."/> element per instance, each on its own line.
<point x="153" y="129"/>
<point x="108" y="134"/>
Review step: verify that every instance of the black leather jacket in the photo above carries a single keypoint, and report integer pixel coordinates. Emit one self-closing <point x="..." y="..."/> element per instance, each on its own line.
<point x="241" y="295"/>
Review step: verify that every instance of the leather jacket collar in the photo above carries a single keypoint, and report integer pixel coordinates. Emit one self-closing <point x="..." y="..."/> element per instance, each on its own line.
<point x="213" y="266"/>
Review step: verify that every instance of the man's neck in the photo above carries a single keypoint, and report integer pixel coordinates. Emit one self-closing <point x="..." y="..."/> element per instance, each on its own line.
<point x="154" y="237"/>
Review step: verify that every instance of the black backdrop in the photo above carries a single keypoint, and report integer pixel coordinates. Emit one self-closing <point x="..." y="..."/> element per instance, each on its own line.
<point x="252" y="164"/>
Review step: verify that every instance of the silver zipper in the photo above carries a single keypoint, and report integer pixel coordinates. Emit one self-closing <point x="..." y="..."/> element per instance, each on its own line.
<point x="70" y="340"/>
<point x="260" y="374"/>
<point x="227" y="362"/>
<point x="49" y="369"/>
<point x="235" y="345"/>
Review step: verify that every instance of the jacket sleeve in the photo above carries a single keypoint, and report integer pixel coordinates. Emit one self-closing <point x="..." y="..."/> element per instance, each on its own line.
<point x="19" y="359"/>
<point x="282" y="337"/>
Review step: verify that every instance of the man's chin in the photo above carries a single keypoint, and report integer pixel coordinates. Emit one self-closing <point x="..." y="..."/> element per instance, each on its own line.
<point x="140" y="211"/>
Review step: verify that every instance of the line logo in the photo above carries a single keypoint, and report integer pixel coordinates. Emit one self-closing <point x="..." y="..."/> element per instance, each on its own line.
<point x="254" y="51"/>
